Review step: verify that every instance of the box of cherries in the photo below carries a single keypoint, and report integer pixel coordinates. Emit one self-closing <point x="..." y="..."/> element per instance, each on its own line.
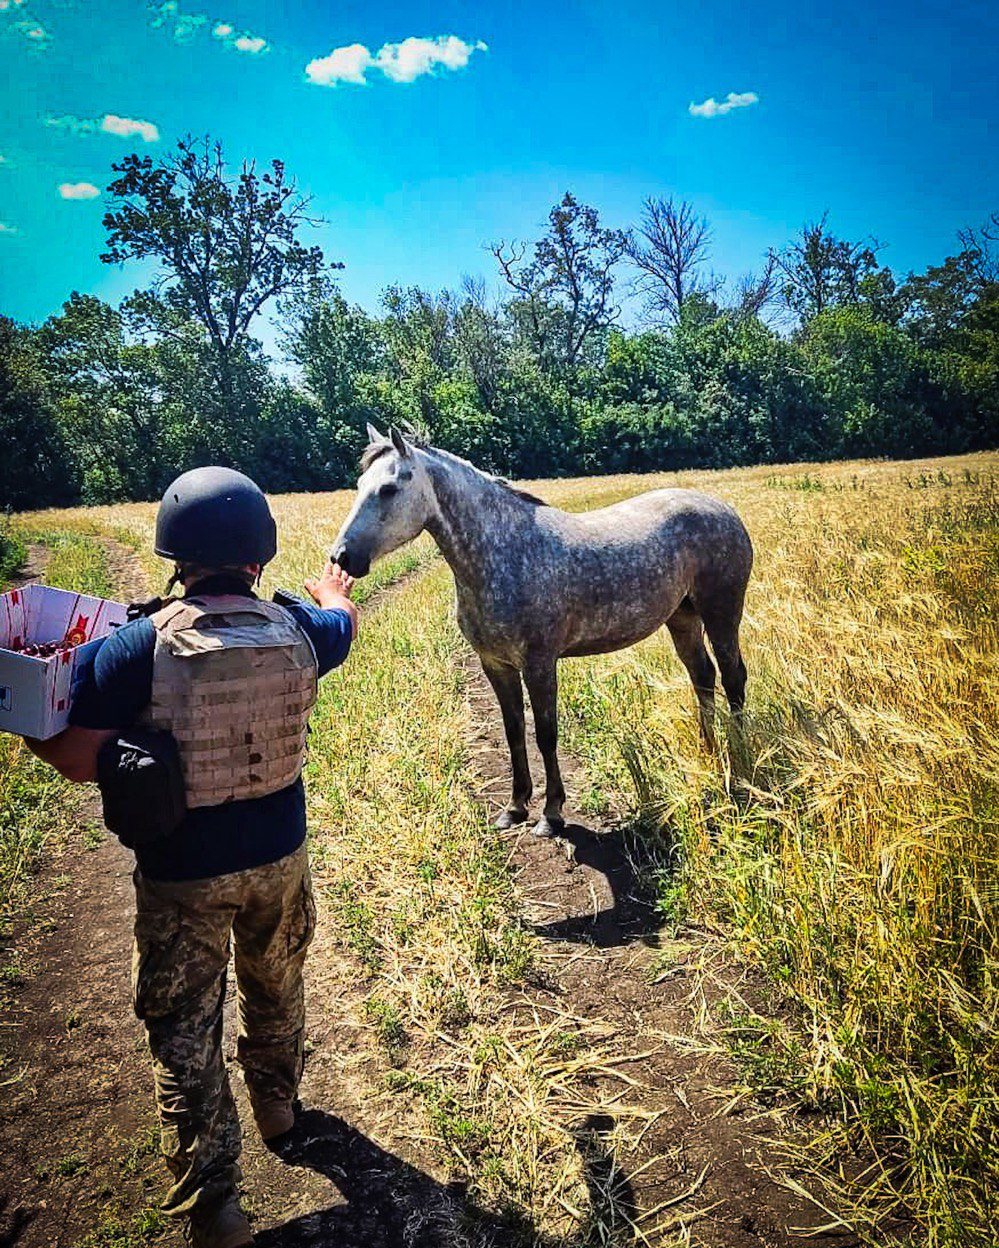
<point x="46" y="635"/>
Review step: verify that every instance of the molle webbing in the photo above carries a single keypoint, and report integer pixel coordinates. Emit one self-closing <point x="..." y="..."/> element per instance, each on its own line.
<point x="234" y="680"/>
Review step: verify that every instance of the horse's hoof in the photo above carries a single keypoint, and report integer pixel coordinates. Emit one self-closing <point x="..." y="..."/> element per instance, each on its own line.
<point x="509" y="819"/>
<point x="549" y="828"/>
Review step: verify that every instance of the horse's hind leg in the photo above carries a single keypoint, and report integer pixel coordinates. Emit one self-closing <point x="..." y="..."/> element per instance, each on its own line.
<point x="542" y="684"/>
<point x="688" y="636"/>
<point x="505" y="681"/>
<point x="721" y="620"/>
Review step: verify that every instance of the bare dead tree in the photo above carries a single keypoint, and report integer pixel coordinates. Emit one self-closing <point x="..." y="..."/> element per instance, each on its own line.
<point x="756" y="292"/>
<point x="981" y="243"/>
<point x="669" y="249"/>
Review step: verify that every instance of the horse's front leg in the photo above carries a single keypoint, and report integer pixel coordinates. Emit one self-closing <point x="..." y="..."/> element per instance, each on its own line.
<point x="505" y="681"/>
<point x="542" y="684"/>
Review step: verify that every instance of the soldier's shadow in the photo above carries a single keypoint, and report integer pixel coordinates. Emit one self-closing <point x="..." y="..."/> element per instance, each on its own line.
<point x="387" y="1203"/>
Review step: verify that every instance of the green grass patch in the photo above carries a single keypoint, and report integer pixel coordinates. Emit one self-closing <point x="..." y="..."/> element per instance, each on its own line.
<point x="35" y="807"/>
<point x="76" y="562"/>
<point x="13" y="553"/>
<point x="119" y="1228"/>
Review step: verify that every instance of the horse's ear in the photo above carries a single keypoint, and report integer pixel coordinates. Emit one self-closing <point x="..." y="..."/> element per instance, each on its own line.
<point x="399" y="442"/>
<point x="373" y="434"/>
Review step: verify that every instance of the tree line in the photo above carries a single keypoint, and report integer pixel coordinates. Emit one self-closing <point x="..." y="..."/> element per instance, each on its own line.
<point x="823" y="353"/>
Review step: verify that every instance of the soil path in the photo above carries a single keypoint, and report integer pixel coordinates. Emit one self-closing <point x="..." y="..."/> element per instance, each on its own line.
<point x="36" y="558"/>
<point x="706" y="1156"/>
<point x="77" y="1126"/>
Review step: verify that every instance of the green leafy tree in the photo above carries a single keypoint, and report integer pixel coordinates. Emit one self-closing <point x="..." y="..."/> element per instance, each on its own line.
<point x="954" y="306"/>
<point x="37" y="468"/>
<point x="563" y="285"/>
<point x="941" y="302"/>
<point x="880" y="387"/>
<point x="110" y="408"/>
<point x="225" y="246"/>
<point x="817" y="270"/>
<point x="338" y="348"/>
<point x="484" y="345"/>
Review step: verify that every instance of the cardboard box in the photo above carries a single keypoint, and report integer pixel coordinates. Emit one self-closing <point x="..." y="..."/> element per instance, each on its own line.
<point x="35" y="693"/>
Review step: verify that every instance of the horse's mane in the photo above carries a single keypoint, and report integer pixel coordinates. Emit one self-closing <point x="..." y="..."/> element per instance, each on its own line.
<point x="377" y="449"/>
<point x="526" y="495"/>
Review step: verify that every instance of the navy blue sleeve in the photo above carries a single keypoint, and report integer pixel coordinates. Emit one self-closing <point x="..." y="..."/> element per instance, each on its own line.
<point x="329" y="631"/>
<point x="111" y="689"/>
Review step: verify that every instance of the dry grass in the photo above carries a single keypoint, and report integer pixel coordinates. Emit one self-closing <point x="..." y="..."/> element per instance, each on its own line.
<point x="846" y="842"/>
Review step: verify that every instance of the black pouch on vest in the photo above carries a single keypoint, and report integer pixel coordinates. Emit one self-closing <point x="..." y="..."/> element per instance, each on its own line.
<point x="142" y="785"/>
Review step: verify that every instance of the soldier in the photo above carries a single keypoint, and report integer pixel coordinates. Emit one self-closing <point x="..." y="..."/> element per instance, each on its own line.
<point x="233" y="679"/>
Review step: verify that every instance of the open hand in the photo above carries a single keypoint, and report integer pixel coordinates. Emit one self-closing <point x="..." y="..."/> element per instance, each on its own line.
<point x="328" y="589"/>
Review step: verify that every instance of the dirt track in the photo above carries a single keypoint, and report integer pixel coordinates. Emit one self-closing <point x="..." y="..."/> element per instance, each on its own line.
<point x="76" y="1116"/>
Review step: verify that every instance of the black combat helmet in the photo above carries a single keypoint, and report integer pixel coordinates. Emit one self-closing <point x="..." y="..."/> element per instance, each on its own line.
<point x="217" y="518"/>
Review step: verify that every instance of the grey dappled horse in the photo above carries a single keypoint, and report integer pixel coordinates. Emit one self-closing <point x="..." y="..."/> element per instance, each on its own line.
<point x="536" y="584"/>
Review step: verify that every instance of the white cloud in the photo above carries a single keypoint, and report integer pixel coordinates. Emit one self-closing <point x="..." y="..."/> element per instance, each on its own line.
<point x="126" y="127"/>
<point x="347" y="64"/>
<point x="253" y="44"/>
<point x="183" y="25"/>
<point x="110" y="123"/>
<point x="712" y="108"/>
<point x="250" y="43"/>
<point x="33" y="30"/>
<point x="399" y="62"/>
<point x="78" y="190"/>
<point x="5" y="5"/>
<point x="8" y="229"/>
<point x="406" y="61"/>
<point x="75" y="125"/>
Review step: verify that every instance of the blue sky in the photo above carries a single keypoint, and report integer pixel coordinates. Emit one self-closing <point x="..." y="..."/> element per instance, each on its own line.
<point x="417" y="153"/>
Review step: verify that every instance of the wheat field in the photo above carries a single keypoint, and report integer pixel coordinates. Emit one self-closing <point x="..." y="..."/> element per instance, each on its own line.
<point x="844" y="841"/>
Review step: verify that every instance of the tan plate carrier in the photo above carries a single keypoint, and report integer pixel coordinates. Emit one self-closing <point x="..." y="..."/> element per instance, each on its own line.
<point x="234" y="680"/>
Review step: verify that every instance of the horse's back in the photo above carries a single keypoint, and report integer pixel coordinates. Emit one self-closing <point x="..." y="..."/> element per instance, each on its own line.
<point x="674" y="517"/>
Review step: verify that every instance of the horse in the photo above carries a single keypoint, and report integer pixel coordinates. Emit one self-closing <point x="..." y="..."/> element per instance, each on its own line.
<point x="535" y="584"/>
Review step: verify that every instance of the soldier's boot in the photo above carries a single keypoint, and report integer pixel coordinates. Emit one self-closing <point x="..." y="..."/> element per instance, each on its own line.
<point x="273" y="1118"/>
<point x="224" y="1227"/>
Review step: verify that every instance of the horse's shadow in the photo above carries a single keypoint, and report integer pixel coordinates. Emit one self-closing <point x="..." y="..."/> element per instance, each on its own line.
<point x="388" y="1203"/>
<point x="622" y="856"/>
<point x="13" y="1222"/>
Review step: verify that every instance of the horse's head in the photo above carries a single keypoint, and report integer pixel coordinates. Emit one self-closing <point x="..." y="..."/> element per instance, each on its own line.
<point x="394" y="502"/>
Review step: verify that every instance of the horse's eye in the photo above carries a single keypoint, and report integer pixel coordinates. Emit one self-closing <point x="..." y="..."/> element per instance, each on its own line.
<point x="388" y="489"/>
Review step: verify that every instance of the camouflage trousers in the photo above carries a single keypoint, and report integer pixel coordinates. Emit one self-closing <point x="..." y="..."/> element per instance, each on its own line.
<point x="179" y="964"/>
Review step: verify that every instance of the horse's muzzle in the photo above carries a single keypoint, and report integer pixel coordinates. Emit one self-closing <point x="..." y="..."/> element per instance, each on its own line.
<point x="352" y="563"/>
